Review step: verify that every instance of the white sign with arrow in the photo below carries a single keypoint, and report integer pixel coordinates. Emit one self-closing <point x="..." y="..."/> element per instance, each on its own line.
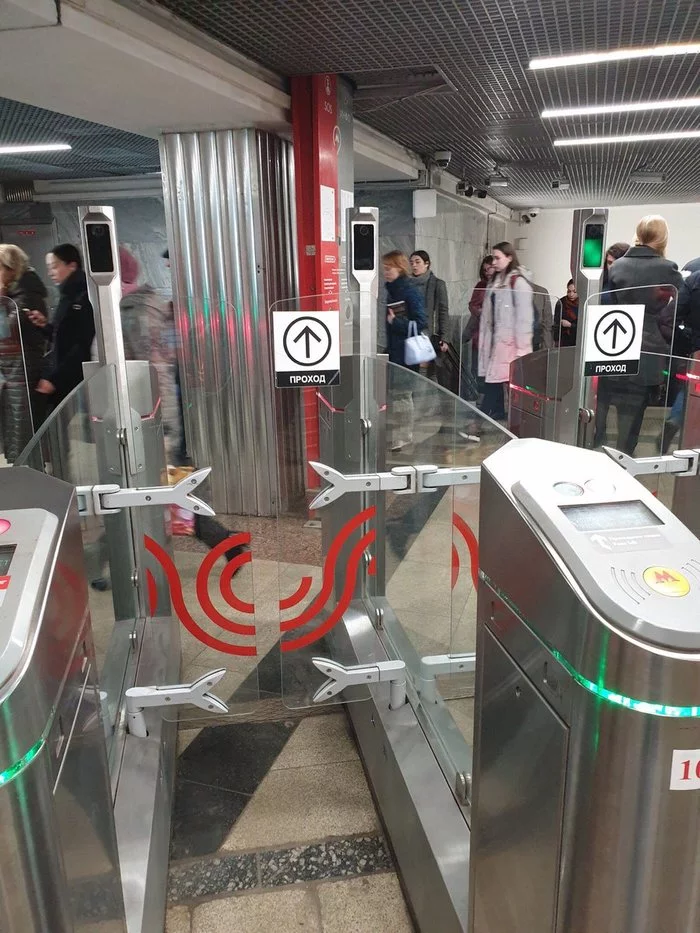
<point x="613" y="340"/>
<point x="306" y="348"/>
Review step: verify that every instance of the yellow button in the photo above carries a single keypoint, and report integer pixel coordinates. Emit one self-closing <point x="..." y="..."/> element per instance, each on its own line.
<point x="666" y="582"/>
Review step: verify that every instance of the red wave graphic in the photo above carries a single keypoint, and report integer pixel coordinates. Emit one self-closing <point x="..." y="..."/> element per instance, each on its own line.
<point x="472" y="545"/>
<point x="455" y="566"/>
<point x="344" y="601"/>
<point x="152" y="593"/>
<point x="329" y="567"/>
<point x="302" y="590"/>
<point x="182" y="611"/>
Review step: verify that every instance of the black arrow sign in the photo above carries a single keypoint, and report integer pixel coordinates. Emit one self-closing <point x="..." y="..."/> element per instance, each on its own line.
<point x="307" y="333"/>
<point x="616" y="327"/>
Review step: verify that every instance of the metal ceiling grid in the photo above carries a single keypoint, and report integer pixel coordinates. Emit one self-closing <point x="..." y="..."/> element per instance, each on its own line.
<point x="483" y="48"/>
<point x="96" y="150"/>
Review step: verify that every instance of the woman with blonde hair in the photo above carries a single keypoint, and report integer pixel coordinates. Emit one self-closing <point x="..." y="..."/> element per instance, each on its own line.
<point x="643" y="276"/>
<point x="21" y="350"/>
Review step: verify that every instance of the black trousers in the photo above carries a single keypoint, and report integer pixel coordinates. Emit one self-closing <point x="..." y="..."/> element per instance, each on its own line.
<point x="631" y="401"/>
<point x="493" y="403"/>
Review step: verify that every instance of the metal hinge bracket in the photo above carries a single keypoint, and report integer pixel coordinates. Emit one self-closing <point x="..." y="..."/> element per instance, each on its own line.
<point x="197" y="694"/>
<point x="108" y="499"/>
<point x="403" y="480"/>
<point x="680" y="462"/>
<point x="340" y="677"/>
<point x="438" y="665"/>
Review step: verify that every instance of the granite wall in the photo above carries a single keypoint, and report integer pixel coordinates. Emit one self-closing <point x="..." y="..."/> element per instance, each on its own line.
<point x="455" y="238"/>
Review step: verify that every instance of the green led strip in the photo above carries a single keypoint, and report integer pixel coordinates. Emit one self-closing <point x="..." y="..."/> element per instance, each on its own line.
<point x="9" y="774"/>
<point x="640" y="706"/>
<point x="610" y="696"/>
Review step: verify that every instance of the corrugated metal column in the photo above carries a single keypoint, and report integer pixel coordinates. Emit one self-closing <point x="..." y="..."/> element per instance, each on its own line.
<point x="230" y="210"/>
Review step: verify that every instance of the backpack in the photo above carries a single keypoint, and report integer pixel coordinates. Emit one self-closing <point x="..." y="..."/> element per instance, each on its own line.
<point x="537" y="325"/>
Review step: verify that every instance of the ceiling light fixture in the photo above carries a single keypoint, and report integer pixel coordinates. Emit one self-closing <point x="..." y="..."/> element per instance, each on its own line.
<point x="615" y="55"/>
<point x="33" y="147"/>
<point x="647" y="176"/>
<point x="633" y="138"/>
<point x="682" y="104"/>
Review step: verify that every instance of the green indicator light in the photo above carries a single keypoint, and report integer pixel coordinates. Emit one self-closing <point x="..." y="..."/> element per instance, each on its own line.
<point x="9" y="774"/>
<point x="640" y="706"/>
<point x="618" y="699"/>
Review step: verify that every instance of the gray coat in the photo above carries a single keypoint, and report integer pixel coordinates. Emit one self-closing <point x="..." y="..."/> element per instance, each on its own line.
<point x="437" y="307"/>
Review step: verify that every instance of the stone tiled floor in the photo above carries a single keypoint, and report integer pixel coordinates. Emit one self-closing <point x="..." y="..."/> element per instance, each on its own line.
<point x="276" y="831"/>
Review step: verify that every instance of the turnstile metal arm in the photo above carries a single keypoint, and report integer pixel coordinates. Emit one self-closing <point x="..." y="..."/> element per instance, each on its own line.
<point x="680" y="462"/>
<point x="340" y="677"/>
<point x="403" y="480"/>
<point x="195" y="694"/>
<point x="110" y="498"/>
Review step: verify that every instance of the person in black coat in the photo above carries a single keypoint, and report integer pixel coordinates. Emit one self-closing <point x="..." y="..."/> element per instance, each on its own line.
<point x="405" y="307"/>
<point x="642" y="276"/>
<point x="21" y="350"/>
<point x="72" y="326"/>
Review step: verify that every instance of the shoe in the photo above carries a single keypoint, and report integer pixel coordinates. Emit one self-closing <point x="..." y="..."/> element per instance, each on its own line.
<point x="665" y="439"/>
<point x="101" y="584"/>
<point x="472" y="438"/>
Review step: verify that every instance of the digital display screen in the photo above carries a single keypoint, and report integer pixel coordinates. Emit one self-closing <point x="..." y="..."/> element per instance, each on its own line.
<point x="7" y="552"/>
<point x="610" y="516"/>
<point x="99" y="246"/>
<point x="363" y="247"/>
<point x="593" y="246"/>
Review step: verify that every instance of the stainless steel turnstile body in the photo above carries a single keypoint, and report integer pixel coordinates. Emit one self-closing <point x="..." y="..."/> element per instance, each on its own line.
<point x="588" y="696"/>
<point x="58" y="856"/>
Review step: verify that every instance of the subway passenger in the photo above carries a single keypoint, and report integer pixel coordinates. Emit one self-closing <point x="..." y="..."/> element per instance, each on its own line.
<point x="22" y="349"/>
<point x="476" y="304"/>
<point x="148" y="330"/>
<point x="642" y="276"/>
<point x="435" y="300"/>
<point x="405" y="315"/>
<point x="692" y="266"/>
<point x="506" y="327"/>
<point x="686" y="343"/>
<point x="613" y="253"/>
<point x="71" y="329"/>
<point x="566" y="317"/>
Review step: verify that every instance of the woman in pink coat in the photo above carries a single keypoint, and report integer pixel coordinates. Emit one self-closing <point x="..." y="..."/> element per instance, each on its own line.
<point x="506" y="327"/>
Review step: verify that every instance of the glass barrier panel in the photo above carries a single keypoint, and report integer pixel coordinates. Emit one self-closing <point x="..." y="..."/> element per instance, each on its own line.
<point x="325" y="555"/>
<point x="213" y="577"/>
<point x="78" y="443"/>
<point x="22" y="347"/>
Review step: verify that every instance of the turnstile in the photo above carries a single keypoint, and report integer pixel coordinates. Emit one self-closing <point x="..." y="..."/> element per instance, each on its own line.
<point x="58" y="856"/>
<point x="585" y="809"/>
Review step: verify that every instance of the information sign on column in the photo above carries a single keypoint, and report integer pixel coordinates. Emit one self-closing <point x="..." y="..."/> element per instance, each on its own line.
<point x="306" y="348"/>
<point x="613" y="338"/>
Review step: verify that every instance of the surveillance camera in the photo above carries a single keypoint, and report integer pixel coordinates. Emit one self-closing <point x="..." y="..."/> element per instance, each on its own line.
<point x="560" y="184"/>
<point x="533" y="212"/>
<point x="464" y="188"/>
<point x="481" y="193"/>
<point x="526" y="219"/>
<point x="442" y="158"/>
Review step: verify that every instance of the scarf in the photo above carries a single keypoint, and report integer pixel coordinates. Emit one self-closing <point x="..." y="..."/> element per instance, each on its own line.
<point x="421" y="282"/>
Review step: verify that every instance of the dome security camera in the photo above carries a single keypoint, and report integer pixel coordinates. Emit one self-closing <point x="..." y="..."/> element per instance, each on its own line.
<point x="534" y="212"/>
<point x="442" y="158"/>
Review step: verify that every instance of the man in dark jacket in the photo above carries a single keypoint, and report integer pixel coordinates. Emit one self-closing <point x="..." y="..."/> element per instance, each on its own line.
<point x="689" y="308"/>
<point x="643" y="276"/>
<point x="692" y="266"/>
<point x="72" y="326"/>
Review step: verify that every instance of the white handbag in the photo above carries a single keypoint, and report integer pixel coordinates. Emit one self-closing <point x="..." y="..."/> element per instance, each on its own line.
<point x="418" y="348"/>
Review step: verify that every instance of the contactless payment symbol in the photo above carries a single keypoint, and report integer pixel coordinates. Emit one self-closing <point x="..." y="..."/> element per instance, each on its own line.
<point x="613" y="340"/>
<point x="306" y="348"/>
<point x="666" y="582"/>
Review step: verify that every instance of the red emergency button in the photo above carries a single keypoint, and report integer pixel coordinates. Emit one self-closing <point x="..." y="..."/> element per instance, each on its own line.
<point x="4" y="525"/>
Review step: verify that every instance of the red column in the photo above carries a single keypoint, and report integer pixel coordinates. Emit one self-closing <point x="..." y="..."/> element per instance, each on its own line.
<point x="315" y="126"/>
